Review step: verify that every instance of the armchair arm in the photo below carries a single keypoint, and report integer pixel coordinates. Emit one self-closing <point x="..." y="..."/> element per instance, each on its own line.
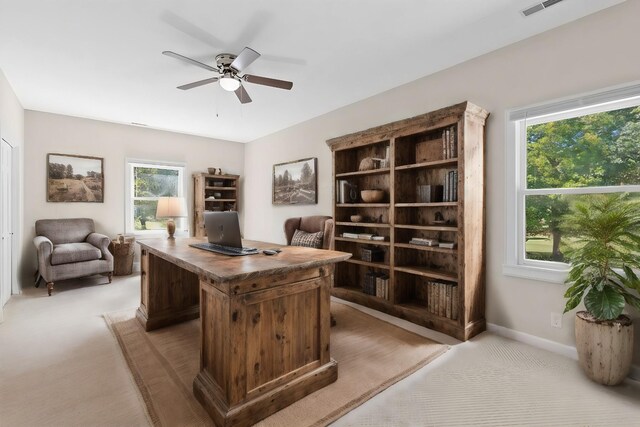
<point x="290" y="226"/>
<point x="44" y="247"/>
<point x="101" y="242"/>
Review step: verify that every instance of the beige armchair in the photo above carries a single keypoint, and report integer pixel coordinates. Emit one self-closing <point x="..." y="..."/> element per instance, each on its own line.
<point x="311" y="224"/>
<point x="70" y="248"/>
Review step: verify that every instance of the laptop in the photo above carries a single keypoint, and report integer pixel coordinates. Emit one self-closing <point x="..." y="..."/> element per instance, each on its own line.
<point x="223" y="232"/>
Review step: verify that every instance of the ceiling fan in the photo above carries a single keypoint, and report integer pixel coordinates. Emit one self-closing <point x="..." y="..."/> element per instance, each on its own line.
<point x="228" y="68"/>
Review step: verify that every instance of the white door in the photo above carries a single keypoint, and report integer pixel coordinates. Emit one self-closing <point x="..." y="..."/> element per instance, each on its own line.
<point x="5" y="221"/>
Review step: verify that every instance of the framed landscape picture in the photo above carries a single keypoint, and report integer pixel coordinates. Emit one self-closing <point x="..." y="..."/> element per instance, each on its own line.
<point x="72" y="178"/>
<point x="295" y="183"/>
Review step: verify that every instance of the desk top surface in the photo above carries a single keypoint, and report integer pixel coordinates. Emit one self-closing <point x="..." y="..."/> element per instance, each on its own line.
<point x="225" y="268"/>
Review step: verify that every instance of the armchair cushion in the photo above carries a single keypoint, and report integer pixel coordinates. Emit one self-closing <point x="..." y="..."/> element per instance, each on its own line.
<point x="310" y="240"/>
<point x="68" y="230"/>
<point x="67" y="253"/>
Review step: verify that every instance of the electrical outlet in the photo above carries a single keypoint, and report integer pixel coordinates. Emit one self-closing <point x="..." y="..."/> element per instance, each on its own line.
<point x="556" y="320"/>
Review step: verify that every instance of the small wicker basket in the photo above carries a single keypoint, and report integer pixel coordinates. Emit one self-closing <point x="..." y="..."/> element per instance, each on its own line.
<point x="122" y="250"/>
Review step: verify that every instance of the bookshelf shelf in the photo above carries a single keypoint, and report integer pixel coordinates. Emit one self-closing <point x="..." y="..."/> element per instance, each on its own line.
<point x="425" y="165"/>
<point x="427" y="272"/>
<point x="368" y="264"/>
<point x="433" y="158"/>
<point x="363" y="205"/>
<point x="364" y="241"/>
<point x="363" y="224"/>
<point x="426" y="205"/>
<point x="427" y="227"/>
<point x="427" y="248"/>
<point x="364" y="173"/>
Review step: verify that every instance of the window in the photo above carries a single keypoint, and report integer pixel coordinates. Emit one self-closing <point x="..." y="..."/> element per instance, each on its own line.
<point x="564" y="152"/>
<point x="146" y="183"/>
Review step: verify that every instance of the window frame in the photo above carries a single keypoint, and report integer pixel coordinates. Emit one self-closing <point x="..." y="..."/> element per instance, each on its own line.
<point x="516" y="264"/>
<point x="182" y="228"/>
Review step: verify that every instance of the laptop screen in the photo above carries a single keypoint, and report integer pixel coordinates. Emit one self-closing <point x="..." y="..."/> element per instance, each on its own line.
<point x="223" y="228"/>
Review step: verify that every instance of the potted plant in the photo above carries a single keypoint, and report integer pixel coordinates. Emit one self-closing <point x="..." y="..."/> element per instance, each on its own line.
<point x="602" y="274"/>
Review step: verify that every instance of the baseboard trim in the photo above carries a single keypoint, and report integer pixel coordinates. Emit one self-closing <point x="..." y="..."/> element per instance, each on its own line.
<point x="545" y="344"/>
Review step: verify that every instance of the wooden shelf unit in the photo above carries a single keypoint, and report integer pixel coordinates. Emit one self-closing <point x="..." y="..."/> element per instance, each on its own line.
<point x="421" y="152"/>
<point x="212" y="193"/>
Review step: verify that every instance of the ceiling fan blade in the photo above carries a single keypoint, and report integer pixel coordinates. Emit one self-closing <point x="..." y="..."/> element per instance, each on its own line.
<point x="189" y="60"/>
<point x="244" y="59"/>
<point x="198" y="83"/>
<point x="242" y="95"/>
<point x="266" y="81"/>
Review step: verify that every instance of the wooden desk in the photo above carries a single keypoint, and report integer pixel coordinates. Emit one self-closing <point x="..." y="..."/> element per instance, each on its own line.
<point x="264" y="321"/>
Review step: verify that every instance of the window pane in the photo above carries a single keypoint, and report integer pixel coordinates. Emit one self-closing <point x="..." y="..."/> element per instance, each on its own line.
<point x="144" y="216"/>
<point x="546" y="236"/>
<point x="155" y="182"/>
<point x="601" y="149"/>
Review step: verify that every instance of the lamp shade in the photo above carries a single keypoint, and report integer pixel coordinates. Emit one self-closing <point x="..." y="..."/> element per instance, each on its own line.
<point x="171" y="207"/>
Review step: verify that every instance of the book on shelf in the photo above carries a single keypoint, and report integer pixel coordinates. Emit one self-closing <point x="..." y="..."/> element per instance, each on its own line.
<point x="447" y="245"/>
<point x="424" y="242"/>
<point x="365" y="236"/>
<point x="442" y="299"/>
<point x="379" y="238"/>
<point x="449" y="143"/>
<point x="382" y="286"/>
<point x="450" y="187"/>
<point x="350" y="235"/>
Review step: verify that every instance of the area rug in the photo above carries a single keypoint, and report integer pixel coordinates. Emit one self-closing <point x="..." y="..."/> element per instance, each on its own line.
<point x="372" y="355"/>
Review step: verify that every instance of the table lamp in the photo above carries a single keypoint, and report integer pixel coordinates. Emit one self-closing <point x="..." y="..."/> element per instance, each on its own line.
<point x="171" y="207"/>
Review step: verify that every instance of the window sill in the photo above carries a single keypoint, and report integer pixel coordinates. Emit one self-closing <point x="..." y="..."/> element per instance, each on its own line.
<point x="541" y="274"/>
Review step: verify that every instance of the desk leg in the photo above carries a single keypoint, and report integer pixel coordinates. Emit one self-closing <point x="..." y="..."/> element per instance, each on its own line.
<point x="168" y="293"/>
<point x="263" y="350"/>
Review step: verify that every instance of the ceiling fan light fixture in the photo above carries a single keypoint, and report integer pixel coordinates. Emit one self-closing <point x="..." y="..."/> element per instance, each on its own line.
<point x="228" y="83"/>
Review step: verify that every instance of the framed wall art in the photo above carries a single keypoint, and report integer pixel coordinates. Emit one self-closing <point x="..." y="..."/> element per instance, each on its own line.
<point x="72" y="178"/>
<point x="295" y="183"/>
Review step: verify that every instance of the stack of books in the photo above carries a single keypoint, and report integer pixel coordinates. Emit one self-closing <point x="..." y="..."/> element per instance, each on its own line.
<point x="424" y="242"/>
<point x="442" y="299"/>
<point x="449" y="143"/>
<point x="447" y="245"/>
<point x="382" y="286"/>
<point x="376" y="284"/>
<point x="450" y="191"/>
<point x="350" y="235"/>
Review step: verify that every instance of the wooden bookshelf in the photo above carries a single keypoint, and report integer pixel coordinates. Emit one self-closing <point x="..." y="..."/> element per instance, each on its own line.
<point x="213" y="193"/>
<point x="444" y="147"/>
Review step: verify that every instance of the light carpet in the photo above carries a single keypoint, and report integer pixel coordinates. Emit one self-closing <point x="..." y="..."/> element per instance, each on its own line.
<point x="371" y="355"/>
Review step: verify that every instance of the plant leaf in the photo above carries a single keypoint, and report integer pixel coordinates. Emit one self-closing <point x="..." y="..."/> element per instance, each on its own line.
<point x="573" y="302"/>
<point x="632" y="300"/>
<point x="605" y="304"/>
<point x="631" y="279"/>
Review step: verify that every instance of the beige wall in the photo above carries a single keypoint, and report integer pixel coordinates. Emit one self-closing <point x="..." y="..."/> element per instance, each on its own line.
<point x="12" y="131"/>
<point x="52" y="133"/>
<point x="592" y="53"/>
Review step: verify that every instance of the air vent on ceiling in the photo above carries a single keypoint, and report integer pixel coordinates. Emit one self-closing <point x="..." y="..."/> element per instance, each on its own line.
<point x="539" y="6"/>
<point x="138" y="124"/>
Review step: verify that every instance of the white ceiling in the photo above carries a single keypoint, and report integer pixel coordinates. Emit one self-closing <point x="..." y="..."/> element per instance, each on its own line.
<point x="102" y="59"/>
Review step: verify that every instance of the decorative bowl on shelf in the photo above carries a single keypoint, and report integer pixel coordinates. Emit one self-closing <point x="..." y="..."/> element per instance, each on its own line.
<point x="372" y="196"/>
<point x="356" y="218"/>
<point x="212" y="171"/>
